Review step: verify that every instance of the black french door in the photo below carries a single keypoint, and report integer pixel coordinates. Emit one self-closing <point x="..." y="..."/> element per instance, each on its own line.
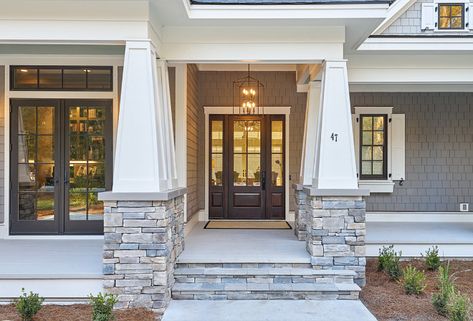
<point x="61" y="158"/>
<point x="247" y="167"/>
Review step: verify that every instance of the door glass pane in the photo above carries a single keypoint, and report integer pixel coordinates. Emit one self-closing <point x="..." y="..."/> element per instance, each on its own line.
<point x="74" y="78"/>
<point x="254" y="170"/>
<point x="217" y="136"/>
<point x="277" y="166"/>
<point x="99" y="79"/>
<point x="26" y="78"/>
<point x="50" y="78"/>
<point x="277" y="136"/>
<point x="239" y="169"/>
<point x="86" y="162"/>
<point x="217" y="170"/>
<point x="36" y="163"/>
<point x="253" y="129"/>
<point x="239" y="137"/>
<point x="46" y="120"/>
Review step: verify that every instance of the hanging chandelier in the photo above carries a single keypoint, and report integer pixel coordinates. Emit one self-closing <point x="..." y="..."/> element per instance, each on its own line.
<point x="248" y="96"/>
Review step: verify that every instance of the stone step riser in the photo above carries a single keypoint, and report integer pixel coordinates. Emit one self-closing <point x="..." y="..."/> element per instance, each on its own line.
<point x="245" y="265"/>
<point x="264" y="295"/>
<point x="268" y="279"/>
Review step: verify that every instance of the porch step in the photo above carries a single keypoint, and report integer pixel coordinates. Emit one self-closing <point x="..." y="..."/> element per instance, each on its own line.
<point x="261" y="282"/>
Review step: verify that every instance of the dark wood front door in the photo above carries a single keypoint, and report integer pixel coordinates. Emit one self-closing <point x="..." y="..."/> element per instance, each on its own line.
<point x="246" y="167"/>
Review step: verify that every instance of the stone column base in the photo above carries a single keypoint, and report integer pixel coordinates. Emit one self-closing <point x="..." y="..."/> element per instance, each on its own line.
<point x="300" y="222"/>
<point x="142" y="242"/>
<point x="336" y="233"/>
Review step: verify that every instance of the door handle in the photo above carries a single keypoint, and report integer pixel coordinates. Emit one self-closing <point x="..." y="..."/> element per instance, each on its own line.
<point x="263" y="180"/>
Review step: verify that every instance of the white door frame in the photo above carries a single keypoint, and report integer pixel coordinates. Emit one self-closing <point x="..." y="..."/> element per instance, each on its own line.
<point x="271" y="110"/>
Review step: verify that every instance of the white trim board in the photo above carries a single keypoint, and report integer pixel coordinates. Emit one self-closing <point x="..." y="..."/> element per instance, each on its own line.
<point x="270" y="110"/>
<point x="430" y="217"/>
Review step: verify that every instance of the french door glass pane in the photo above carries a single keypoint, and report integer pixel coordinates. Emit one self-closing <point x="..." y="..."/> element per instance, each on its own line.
<point x="277" y="169"/>
<point x="86" y="162"/>
<point x="36" y="163"/>
<point x="254" y="169"/>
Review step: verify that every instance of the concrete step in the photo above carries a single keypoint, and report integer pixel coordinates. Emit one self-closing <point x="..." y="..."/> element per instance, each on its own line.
<point x="265" y="283"/>
<point x="259" y="310"/>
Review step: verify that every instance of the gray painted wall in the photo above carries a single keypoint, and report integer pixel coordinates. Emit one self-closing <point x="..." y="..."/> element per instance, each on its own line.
<point x="439" y="150"/>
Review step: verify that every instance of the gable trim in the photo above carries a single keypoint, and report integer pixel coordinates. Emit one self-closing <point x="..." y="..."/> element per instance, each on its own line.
<point x="394" y="12"/>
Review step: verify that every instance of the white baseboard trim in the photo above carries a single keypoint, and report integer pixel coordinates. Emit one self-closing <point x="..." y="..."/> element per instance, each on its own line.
<point x="192" y="222"/>
<point x="431" y="217"/>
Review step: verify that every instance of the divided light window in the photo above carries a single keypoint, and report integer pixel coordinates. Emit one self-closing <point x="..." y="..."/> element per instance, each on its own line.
<point x="373" y="160"/>
<point x="57" y="78"/>
<point x="451" y="16"/>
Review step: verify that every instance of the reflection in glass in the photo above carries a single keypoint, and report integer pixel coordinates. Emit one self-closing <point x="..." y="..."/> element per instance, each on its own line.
<point x="46" y="120"/>
<point x="253" y="129"/>
<point x="377" y="168"/>
<point x="45" y="206"/>
<point x="277" y="136"/>
<point x="254" y="176"/>
<point x="366" y="168"/>
<point x="86" y="162"/>
<point x="378" y="138"/>
<point x="217" y="136"/>
<point x="217" y="170"/>
<point x="50" y="78"/>
<point x="378" y="152"/>
<point x="27" y="120"/>
<point x="26" y="78"/>
<point x="367" y="123"/>
<point x="366" y="153"/>
<point x="27" y="206"/>
<point x="277" y="170"/>
<point x="239" y="137"/>
<point x="45" y="149"/>
<point x="239" y="169"/>
<point x="74" y="78"/>
<point x="99" y="79"/>
<point x="367" y="138"/>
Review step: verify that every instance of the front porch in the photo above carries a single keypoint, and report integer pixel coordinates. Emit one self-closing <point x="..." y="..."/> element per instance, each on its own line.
<point x="69" y="270"/>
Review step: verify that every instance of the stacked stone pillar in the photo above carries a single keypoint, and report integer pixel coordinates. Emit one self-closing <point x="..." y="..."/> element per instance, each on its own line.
<point x="300" y="219"/>
<point x="142" y="242"/>
<point x="336" y="233"/>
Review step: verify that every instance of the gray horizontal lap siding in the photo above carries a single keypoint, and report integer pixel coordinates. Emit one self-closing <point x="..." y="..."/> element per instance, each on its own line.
<point x="439" y="151"/>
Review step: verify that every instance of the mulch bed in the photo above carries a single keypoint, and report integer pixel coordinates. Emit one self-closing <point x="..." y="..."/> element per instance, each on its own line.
<point x="76" y="312"/>
<point x="388" y="302"/>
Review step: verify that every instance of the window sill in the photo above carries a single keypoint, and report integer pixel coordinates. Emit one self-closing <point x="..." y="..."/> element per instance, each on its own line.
<point x="374" y="186"/>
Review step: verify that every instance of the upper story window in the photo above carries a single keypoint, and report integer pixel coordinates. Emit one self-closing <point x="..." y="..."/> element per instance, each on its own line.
<point x="451" y="16"/>
<point x="57" y="78"/>
<point x="373" y="151"/>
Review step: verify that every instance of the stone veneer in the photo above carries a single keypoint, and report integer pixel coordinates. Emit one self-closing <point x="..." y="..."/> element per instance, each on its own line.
<point x="335" y="231"/>
<point x="142" y="242"/>
<point x="300" y="219"/>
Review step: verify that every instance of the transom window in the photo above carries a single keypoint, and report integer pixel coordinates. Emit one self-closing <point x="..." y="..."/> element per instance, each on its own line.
<point x="451" y="16"/>
<point x="373" y="151"/>
<point x="58" y="78"/>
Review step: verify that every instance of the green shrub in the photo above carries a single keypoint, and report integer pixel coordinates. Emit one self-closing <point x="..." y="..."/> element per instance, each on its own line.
<point x="27" y="305"/>
<point x="102" y="306"/>
<point x="432" y="259"/>
<point x="388" y="261"/>
<point x="445" y="287"/>
<point x="385" y="255"/>
<point x="459" y="307"/>
<point x="413" y="280"/>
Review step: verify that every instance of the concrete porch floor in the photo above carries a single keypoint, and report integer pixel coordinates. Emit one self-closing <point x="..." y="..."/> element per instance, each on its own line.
<point x="242" y="246"/>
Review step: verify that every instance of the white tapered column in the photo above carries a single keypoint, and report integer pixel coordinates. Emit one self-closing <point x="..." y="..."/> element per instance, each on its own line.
<point x="145" y="158"/>
<point x="334" y="166"/>
<point x="310" y="133"/>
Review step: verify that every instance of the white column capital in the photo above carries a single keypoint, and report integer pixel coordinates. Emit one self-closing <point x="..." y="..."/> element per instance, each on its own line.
<point x="144" y="158"/>
<point x="334" y="165"/>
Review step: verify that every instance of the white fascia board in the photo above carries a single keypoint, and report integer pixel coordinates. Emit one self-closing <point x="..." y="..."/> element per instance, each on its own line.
<point x="72" y="32"/>
<point x="410" y="69"/>
<point x="410" y="88"/>
<point x="271" y="44"/>
<point x="417" y="44"/>
<point x="393" y="13"/>
<point x="50" y="10"/>
<point x="317" y="11"/>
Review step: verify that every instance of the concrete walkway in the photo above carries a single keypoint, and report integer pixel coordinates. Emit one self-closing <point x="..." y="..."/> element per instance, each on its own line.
<point x="261" y="310"/>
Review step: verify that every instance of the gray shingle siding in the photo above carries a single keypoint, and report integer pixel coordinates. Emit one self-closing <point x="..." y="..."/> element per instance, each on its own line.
<point x="439" y="150"/>
<point x="409" y="23"/>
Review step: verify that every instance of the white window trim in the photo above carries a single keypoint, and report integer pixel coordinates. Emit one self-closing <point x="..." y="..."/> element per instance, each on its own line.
<point x="466" y="4"/>
<point x="376" y="186"/>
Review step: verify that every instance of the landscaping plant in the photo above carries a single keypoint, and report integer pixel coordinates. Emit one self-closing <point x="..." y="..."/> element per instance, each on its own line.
<point x="388" y="261"/>
<point x="27" y="305"/>
<point x="432" y="259"/>
<point x="445" y="287"/>
<point x="413" y="280"/>
<point x="102" y="306"/>
<point x="459" y="307"/>
<point x="386" y="253"/>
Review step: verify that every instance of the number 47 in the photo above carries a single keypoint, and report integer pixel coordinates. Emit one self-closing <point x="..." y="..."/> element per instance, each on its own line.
<point x="334" y="137"/>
